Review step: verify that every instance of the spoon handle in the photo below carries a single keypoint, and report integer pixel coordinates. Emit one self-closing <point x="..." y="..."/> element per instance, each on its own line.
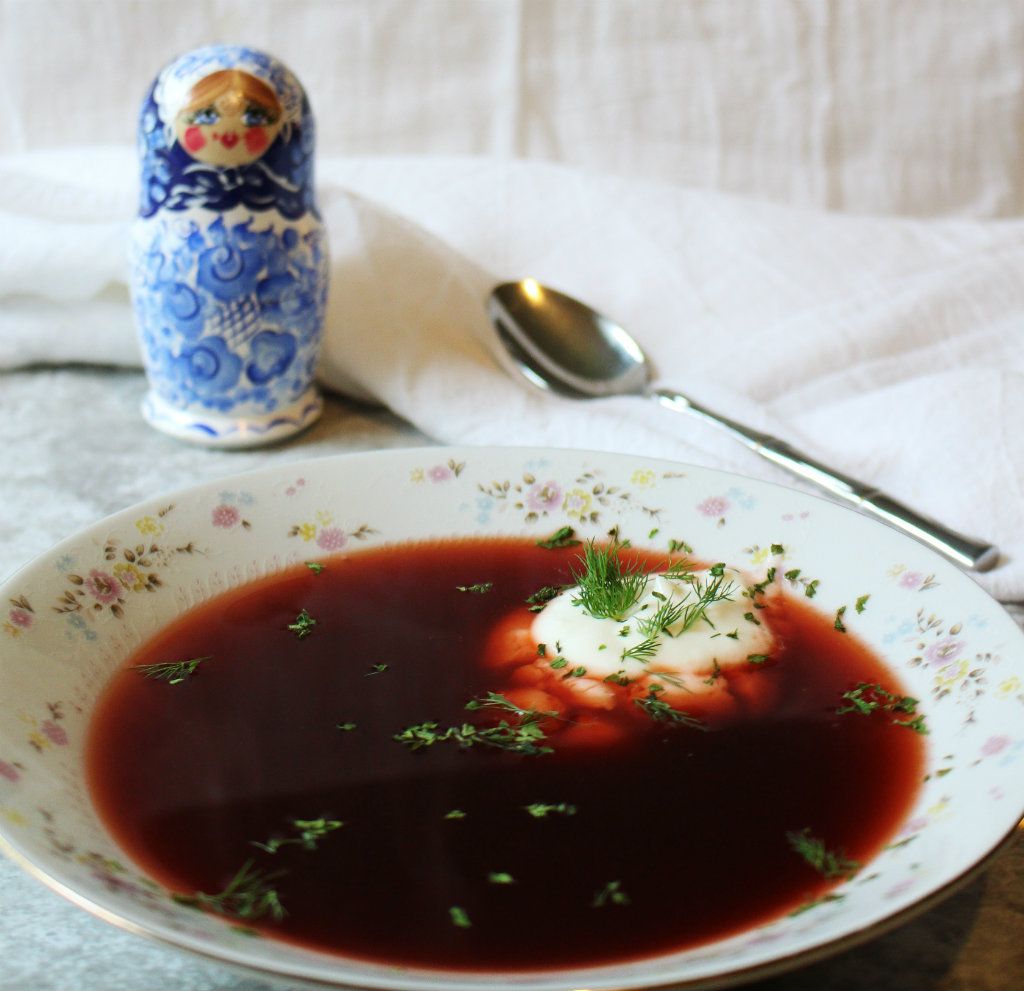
<point x="964" y="551"/>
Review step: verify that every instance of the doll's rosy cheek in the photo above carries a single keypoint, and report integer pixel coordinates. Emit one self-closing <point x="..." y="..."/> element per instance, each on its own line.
<point x="194" y="139"/>
<point x="255" y="139"/>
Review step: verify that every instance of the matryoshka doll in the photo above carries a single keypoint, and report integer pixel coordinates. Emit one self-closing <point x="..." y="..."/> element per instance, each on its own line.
<point x="229" y="256"/>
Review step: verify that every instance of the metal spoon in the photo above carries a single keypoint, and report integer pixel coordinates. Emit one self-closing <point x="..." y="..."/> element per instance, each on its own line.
<point x="563" y="346"/>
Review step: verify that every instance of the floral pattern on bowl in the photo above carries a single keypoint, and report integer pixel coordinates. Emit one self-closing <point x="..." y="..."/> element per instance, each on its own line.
<point x="71" y="617"/>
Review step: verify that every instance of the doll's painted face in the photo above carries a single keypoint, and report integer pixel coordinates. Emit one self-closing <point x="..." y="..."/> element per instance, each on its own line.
<point x="230" y="119"/>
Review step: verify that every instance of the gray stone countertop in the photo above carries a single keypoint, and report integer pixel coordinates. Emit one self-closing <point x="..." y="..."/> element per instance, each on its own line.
<point x="74" y="449"/>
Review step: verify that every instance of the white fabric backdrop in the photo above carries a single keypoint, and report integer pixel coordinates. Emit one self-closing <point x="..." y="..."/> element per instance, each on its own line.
<point x="871" y="106"/>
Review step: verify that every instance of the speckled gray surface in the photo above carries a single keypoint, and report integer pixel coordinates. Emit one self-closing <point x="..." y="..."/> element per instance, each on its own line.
<point x="73" y="448"/>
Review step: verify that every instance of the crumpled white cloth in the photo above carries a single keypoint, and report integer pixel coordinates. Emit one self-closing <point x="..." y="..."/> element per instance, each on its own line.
<point x="891" y="349"/>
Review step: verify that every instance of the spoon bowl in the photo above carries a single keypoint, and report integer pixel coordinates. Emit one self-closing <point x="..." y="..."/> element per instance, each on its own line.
<point x="564" y="347"/>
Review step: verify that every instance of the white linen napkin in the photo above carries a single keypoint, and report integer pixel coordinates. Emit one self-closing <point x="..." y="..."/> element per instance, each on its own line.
<point x="891" y="349"/>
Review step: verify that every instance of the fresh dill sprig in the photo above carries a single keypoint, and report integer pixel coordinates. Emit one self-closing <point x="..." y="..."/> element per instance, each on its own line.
<point x="173" y="672"/>
<point x="303" y="625"/>
<point x="666" y="616"/>
<point x="717" y="588"/>
<point x="829" y="864"/>
<point x="661" y="712"/>
<point x="248" y="895"/>
<point x="642" y="651"/>
<point x="607" y="588"/>
<point x="310" y="831"/>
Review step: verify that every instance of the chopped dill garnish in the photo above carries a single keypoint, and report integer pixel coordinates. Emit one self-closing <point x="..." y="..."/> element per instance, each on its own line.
<point x="500" y="877"/>
<point x="778" y="549"/>
<point x="248" y="895"/>
<point x="757" y="658"/>
<point x="618" y="678"/>
<point x="558" y="663"/>
<point x="459" y="917"/>
<point x="660" y="711"/>
<point x="715" y="589"/>
<point x="563" y="537"/>
<point x="541" y="810"/>
<point x="610" y="894"/>
<point x="793" y="574"/>
<point x="346" y="727"/>
<point x="811" y="589"/>
<point x="653" y="533"/>
<point x="455" y="814"/>
<point x="675" y="546"/>
<point x="480" y="588"/>
<point x="315" y="566"/>
<point x="375" y="669"/>
<point x="524" y="736"/>
<point x="735" y="635"/>
<point x="827" y="863"/>
<point x="608" y="589"/>
<point x="303" y="625"/>
<point x="865" y="699"/>
<point x="751" y="618"/>
<point x="861" y="603"/>
<point x="716" y="672"/>
<point x="310" y="832"/>
<point x="577" y="672"/>
<point x="173" y="672"/>
<point x="839" y="625"/>
<point x="543" y="596"/>
<point x="542" y="650"/>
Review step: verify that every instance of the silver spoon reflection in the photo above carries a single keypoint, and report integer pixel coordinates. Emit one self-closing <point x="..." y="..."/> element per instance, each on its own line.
<point x="564" y="347"/>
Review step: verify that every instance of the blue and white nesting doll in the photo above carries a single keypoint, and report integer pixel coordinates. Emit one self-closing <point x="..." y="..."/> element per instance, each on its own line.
<point x="229" y="254"/>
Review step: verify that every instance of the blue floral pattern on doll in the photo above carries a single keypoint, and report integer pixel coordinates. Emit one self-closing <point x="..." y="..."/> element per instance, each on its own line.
<point x="259" y="288"/>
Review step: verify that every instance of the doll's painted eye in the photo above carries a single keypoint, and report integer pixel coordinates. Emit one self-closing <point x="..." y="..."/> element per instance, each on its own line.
<point x="257" y="116"/>
<point x="206" y="115"/>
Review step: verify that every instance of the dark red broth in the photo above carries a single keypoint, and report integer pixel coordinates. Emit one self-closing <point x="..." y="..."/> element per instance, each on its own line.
<point x="690" y="827"/>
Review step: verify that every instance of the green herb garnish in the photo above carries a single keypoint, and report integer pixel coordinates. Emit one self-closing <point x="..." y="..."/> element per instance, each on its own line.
<point x="375" y="669"/>
<point x="838" y="624"/>
<point x="610" y="894"/>
<point x="248" y="895"/>
<point x="303" y="625"/>
<point x="861" y="603"/>
<point x="523" y="736"/>
<point x="541" y="810"/>
<point x="827" y="863"/>
<point x="480" y="588"/>
<point x="173" y="672"/>
<point x="642" y="651"/>
<point x="310" y="831"/>
<point x="607" y="588"/>
<point x="563" y="537"/>
<point x="543" y="596"/>
<point x="459" y="917"/>
<point x="500" y="877"/>
<point x="346" y="727"/>
<point x="865" y="699"/>
<point x="315" y="566"/>
<point x="660" y="711"/>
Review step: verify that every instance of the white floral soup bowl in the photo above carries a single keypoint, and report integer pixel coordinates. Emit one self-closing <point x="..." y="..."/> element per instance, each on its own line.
<point x="72" y="617"/>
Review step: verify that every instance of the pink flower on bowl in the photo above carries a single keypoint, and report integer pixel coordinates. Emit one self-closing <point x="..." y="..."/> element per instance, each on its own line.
<point x="21" y="618"/>
<point x="994" y="745"/>
<point x="225" y="516"/>
<point x="330" y="538"/>
<point x="544" y="497"/>
<point x="713" y="506"/>
<point x="54" y="733"/>
<point x="103" y="587"/>
<point x="440" y="473"/>
<point x="911" y="579"/>
<point x="943" y="651"/>
<point x="8" y="771"/>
